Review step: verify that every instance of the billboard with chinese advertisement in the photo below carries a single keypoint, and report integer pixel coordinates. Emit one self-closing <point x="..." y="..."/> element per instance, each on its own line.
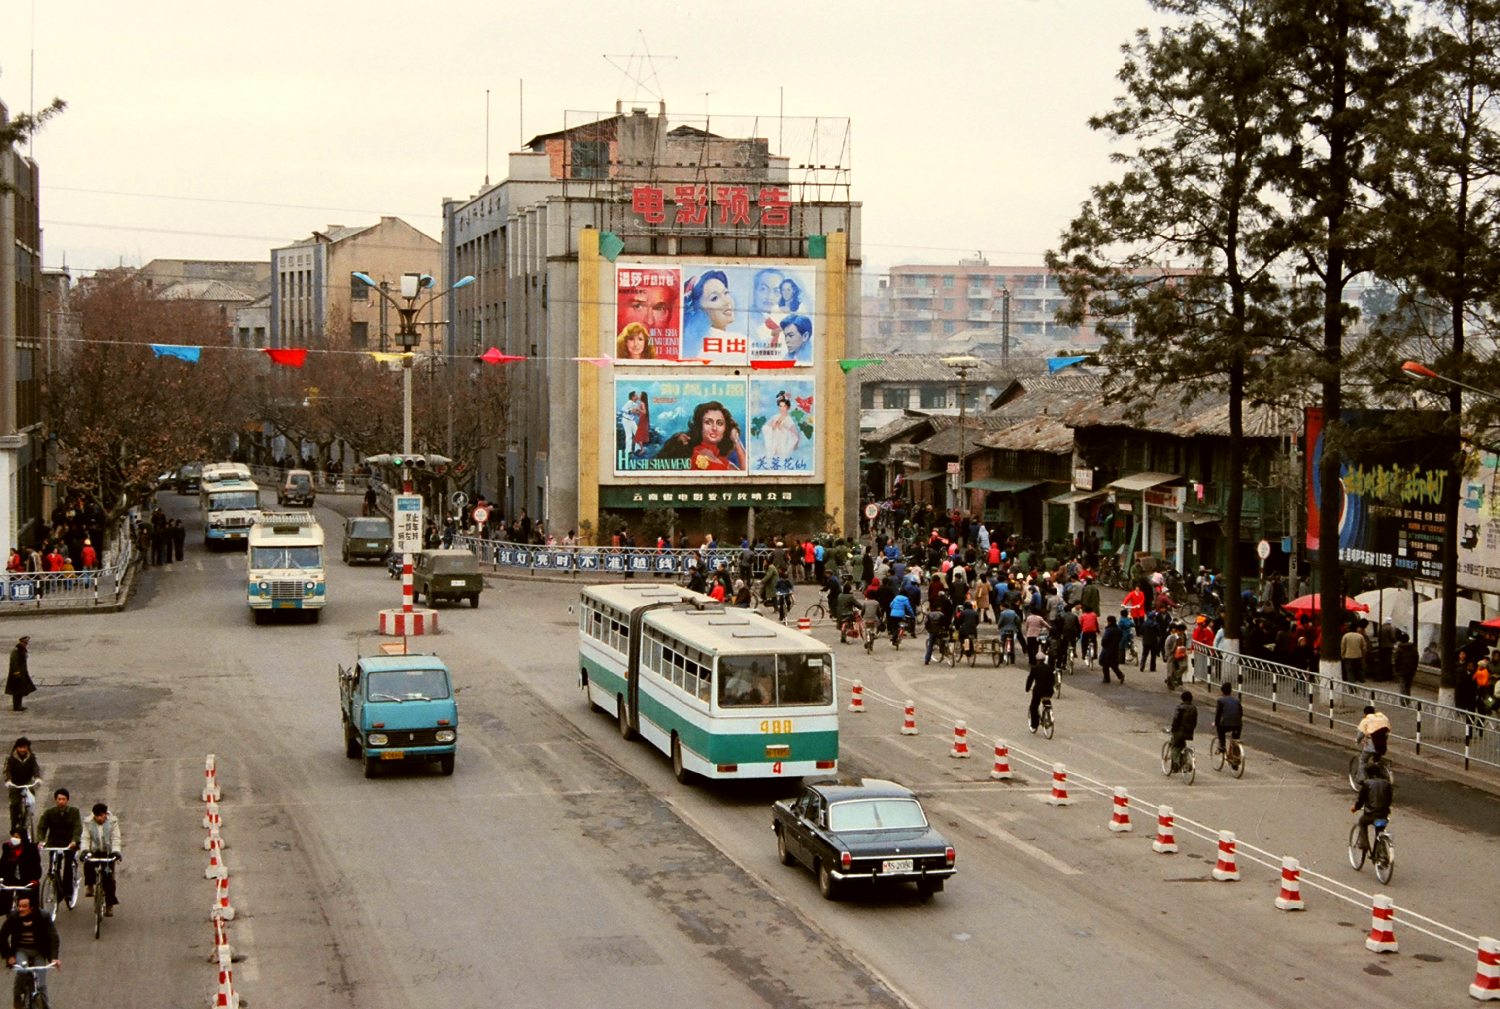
<point x="782" y="428"/>
<point x="680" y="424"/>
<point x="1479" y="524"/>
<point x="715" y="314"/>
<point x="1391" y="490"/>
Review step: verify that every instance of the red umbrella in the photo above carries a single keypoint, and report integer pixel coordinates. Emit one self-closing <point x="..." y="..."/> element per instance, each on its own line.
<point x="1491" y="622"/>
<point x="1313" y="604"/>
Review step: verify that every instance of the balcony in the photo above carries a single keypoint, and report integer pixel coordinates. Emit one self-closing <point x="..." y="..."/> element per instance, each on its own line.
<point x="980" y="293"/>
<point x="982" y="315"/>
<point x="916" y="292"/>
<point x="915" y="315"/>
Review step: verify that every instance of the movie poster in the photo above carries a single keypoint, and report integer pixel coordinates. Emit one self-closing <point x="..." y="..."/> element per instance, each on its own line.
<point x="782" y="425"/>
<point x="734" y="314"/>
<point x="648" y="314"/>
<point x="680" y="425"/>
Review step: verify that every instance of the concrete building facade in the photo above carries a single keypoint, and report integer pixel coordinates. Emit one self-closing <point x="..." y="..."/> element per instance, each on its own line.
<point x="22" y="447"/>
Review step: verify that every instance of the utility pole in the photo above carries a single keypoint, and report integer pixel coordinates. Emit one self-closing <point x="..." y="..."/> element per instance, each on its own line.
<point x="962" y="365"/>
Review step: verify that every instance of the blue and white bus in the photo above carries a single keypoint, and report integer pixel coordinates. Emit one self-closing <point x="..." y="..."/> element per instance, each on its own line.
<point x="725" y="692"/>
<point x="229" y="508"/>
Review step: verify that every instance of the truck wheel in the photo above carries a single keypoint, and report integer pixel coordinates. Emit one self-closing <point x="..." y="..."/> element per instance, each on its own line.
<point x="260" y="615"/>
<point x="371" y="763"/>
<point x="351" y="742"/>
<point x="445" y="763"/>
<point x="474" y="600"/>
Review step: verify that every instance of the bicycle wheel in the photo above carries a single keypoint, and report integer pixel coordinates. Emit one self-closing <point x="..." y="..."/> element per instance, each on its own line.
<point x="98" y="902"/>
<point x="1216" y="754"/>
<point x="1048" y="727"/>
<point x="49" y="896"/>
<point x="1355" y="767"/>
<point x="950" y="653"/>
<point x="1166" y="758"/>
<point x="1237" y="761"/>
<point x="1189" y="765"/>
<point x="1356" y="853"/>
<point x="815" y="612"/>
<point x="1384" y="857"/>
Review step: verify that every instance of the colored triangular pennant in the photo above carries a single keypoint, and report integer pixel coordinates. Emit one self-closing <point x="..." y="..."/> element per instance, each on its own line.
<point x="848" y="364"/>
<point x="493" y="356"/>
<point x="289" y="357"/>
<point x="1059" y="363"/>
<point x="188" y="354"/>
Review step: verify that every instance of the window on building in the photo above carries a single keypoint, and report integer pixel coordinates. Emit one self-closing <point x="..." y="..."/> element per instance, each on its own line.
<point x="260" y="336"/>
<point x="895" y="399"/>
<point x="948" y="328"/>
<point x="358" y="289"/>
<point x="359" y="335"/>
<point x="947" y="280"/>
<point x="590" y="159"/>
<point x="867" y="397"/>
<point x="947" y="304"/>
<point x="933" y="397"/>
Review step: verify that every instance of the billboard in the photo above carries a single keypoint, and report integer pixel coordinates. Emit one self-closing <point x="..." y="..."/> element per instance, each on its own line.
<point x="680" y="424"/>
<point x="782" y="430"/>
<point x="714" y="314"/>
<point x="1479" y="524"/>
<point x="1391" y="478"/>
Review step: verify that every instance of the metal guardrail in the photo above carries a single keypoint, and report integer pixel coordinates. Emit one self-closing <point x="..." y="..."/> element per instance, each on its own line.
<point x="1421" y="724"/>
<point x="101" y="586"/>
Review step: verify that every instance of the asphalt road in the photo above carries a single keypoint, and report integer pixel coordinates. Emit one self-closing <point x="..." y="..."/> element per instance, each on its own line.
<point x="563" y="866"/>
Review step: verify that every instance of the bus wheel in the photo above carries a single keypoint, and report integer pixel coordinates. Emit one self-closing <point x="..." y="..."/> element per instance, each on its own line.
<point x="626" y="732"/>
<point x="681" y="773"/>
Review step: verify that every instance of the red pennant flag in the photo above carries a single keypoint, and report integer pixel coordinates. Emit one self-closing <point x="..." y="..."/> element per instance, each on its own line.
<point x="289" y="357"/>
<point x="767" y="365"/>
<point x="493" y="356"/>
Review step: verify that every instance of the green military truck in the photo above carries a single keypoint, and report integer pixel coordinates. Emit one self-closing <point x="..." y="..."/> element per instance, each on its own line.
<point x="399" y="708"/>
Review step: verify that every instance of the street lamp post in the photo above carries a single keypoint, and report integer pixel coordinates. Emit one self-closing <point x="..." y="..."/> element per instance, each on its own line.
<point x="412" y="286"/>
<point x="962" y="365"/>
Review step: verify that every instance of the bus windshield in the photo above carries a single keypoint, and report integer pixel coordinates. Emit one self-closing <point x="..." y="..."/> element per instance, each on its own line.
<point x="764" y="681"/>
<point x="247" y="500"/>
<point x="309" y="558"/>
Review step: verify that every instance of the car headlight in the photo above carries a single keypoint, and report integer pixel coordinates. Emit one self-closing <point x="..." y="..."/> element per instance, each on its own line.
<point x="265" y="588"/>
<point x="307" y="587"/>
<point x="446" y="736"/>
<point x="378" y="739"/>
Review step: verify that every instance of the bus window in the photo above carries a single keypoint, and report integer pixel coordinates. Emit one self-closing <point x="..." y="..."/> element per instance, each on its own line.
<point x="805" y="679"/>
<point x="747" y="681"/>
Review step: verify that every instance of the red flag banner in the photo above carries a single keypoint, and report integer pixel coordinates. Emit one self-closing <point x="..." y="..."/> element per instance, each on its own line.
<point x="493" y="356"/>
<point x="759" y="365"/>
<point x="287" y="357"/>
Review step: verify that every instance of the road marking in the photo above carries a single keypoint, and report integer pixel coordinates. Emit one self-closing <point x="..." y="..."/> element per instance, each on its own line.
<point x="1025" y="847"/>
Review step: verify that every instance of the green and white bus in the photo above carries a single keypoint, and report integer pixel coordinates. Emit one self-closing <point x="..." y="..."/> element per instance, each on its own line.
<point x="725" y="692"/>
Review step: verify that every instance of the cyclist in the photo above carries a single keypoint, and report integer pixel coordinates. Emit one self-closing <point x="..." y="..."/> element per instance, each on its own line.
<point x="29" y="938"/>
<point x="1088" y="630"/>
<point x="1229" y="715"/>
<point x="939" y="628"/>
<point x="783" y="596"/>
<point x="101" y="838"/>
<point x="1375" y="794"/>
<point x="1373" y="735"/>
<point x="61" y="827"/>
<point x="1008" y="623"/>
<point x="1184" y="725"/>
<point x="1039" y="681"/>
<point x="967" y="622"/>
<point x="20" y="865"/>
<point x="898" y="615"/>
<point x="846" y="608"/>
<point x="21" y="768"/>
<point x="1035" y="633"/>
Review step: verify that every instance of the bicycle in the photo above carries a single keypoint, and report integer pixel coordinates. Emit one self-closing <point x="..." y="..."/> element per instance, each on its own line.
<point x="1044" y="719"/>
<point x="1008" y="648"/>
<point x="1184" y="764"/>
<point x="106" y="866"/>
<point x="1234" y="757"/>
<point x="783" y="604"/>
<point x="1382" y="850"/>
<point x="28" y="995"/>
<point x="23" y="809"/>
<point x="852" y="626"/>
<point x="816" y="613"/>
<point x="53" y="890"/>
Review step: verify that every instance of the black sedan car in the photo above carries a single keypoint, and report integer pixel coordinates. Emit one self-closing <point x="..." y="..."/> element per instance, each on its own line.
<point x="850" y="830"/>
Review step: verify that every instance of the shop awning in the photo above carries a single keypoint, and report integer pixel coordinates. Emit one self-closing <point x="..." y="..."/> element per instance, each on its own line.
<point x="1075" y="496"/>
<point x="1143" y="481"/>
<point x="922" y="474"/>
<point x="1191" y="518"/>
<point x="1000" y="485"/>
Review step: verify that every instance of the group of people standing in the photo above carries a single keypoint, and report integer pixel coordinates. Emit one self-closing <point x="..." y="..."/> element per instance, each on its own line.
<point x="160" y="540"/>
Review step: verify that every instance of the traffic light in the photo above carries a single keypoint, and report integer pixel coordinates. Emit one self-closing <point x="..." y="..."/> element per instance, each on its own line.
<point x="416" y="460"/>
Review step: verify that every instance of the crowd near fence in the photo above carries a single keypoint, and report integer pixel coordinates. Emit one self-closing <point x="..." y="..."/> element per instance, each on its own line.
<point x="101" y="586"/>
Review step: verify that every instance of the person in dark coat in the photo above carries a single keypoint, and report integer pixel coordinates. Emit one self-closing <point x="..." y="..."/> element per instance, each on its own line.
<point x="1109" y="648"/>
<point x="1404" y="661"/>
<point x="18" y="680"/>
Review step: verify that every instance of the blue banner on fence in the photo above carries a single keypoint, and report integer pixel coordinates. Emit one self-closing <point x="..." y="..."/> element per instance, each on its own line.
<point x="22" y="591"/>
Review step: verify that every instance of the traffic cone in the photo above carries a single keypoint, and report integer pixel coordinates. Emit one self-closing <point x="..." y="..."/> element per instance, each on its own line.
<point x="960" y="741"/>
<point x="216" y="867"/>
<point x="214" y="839"/>
<point x="1059" y="796"/>
<point x="1002" y="761"/>
<point x="909" y="720"/>
<point x="1382" y="937"/>
<point x="1165" y="842"/>
<point x="221" y="948"/>
<point x="1119" y="820"/>
<point x="1290" y="897"/>
<point x="804" y="624"/>
<point x="211" y="818"/>
<point x="210" y="779"/>
<point x="1486" y="986"/>
<point x="857" y="697"/>
<point x="222" y="908"/>
<point x="226" y="999"/>
<point x="1225" y="870"/>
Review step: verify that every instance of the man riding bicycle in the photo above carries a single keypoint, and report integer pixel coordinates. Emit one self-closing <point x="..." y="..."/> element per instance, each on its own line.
<point x="101" y="840"/>
<point x="1375" y="795"/>
<point x="967" y="622"/>
<point x="1039" y="682"/>
<point x="1008" y="623"/>
<point x="898" y="615"/>
<point x="21" y="768"/>
<point x="1184" y="725"/>
<point x="938" y="628"/>
<point x="20" y="866"/>
<point x="29" y="938"/>
<point x="1229" y="715"/>
<point x="62" y="827"/>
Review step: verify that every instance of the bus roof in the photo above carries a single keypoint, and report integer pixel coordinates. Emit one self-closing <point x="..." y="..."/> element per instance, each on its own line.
<point x="731" y="629"/>
<point x="224" y="486"/>
<point x="286" y="528"/>
<point x="216" y="471"/>
<point x="631" y="596"/>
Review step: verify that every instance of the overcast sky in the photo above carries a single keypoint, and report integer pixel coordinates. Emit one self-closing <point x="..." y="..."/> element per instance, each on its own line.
<point x="197" y="131"/>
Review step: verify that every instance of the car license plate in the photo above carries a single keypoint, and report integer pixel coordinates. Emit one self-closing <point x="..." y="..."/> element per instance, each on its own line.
<point x="373" y="546"/>
<point x="896" y="865"/>
<point x="393" y="755"/>
<point x="460" y="583"/>
<point x="285" y="604"/>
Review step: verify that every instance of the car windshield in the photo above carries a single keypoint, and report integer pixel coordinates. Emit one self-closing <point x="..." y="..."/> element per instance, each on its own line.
<point x="286" y="557"/>
<point x="240" y="499"/>
<point x="455" y="564"/>
<point x="763" y="681"/>
<point x="371" y="529"/>
<point x="876" y="814"/>
<point x="408" y="685"/>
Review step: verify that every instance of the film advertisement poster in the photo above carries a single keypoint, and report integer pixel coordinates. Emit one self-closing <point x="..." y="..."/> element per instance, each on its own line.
<point x="735" y="314"/>
<point x="680" y="425"/>
<point x="648" y="313"/>
<point x="1391" y="478"/>
<point x="1479" y="524"/>
<point x="782" y="425"/>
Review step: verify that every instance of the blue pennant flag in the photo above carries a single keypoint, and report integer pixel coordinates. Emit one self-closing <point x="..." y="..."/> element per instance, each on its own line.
<point x="1055" y="364"/>
<point x="188" y="354"/>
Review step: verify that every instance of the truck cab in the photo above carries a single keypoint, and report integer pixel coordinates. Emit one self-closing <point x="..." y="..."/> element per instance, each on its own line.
<point x="399" y="709"/>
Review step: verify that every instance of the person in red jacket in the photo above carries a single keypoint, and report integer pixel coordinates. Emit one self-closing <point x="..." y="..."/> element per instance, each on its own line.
<point x="1135" y="601"/>
<point x="1203" y="637"/>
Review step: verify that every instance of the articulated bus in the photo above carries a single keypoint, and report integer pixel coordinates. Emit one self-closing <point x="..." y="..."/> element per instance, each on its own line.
<point x="725" y="692"/>
<point x="229" y="508"/>
<point x="284" y="564"/>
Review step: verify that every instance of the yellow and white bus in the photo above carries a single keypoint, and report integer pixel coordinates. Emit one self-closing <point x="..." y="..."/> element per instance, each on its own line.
<point x="228" y="508"/>
<point x="725" y="692"/>
<point x="285" y="564"/>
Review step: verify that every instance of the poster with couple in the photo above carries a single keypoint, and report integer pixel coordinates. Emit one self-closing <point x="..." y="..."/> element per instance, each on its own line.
<point x="715" y="314"/>
<point x="730" y="426"/>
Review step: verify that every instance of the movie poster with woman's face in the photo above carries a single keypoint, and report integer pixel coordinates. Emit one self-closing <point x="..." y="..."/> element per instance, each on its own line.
<point x="734" y="314"/>
<point x="680" y="425"/>
<point x="782" y="425"/>
<point x="648" y="314"/>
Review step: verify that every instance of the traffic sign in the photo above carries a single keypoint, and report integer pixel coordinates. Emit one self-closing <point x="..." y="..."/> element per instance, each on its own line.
<point x="872" y="511"/>
<point x="481" y="515"/>
<point x="458" y="500"/>
<point x="1263" y="550"/>
<point x="407" y="535"/>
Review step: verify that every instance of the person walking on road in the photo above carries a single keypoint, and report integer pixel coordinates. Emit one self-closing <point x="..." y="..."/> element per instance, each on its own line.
<point x="1111" y="644"/>
<point x="18" y="680"/>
